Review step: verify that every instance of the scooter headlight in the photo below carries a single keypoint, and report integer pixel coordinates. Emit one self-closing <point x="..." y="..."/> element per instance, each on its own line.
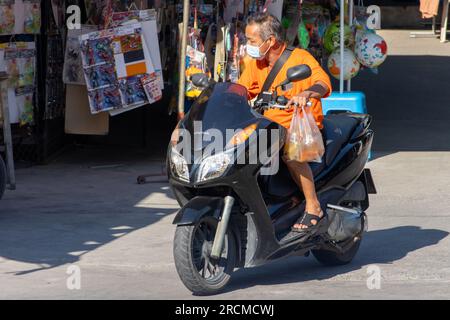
<point x="178" y="165"/>
<point x="214" y="166"/>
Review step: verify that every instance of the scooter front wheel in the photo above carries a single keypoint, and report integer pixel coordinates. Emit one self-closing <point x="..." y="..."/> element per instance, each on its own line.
<point x="197" y="270"/>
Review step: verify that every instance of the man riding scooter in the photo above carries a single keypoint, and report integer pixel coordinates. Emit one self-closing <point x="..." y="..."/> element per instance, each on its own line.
<point x="270" y="60"/>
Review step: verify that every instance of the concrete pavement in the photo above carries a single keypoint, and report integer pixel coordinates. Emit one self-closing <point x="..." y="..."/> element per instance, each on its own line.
<point x="120" y="235"/>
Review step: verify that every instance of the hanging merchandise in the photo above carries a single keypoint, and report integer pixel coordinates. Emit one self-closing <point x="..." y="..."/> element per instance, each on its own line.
<point x="303" y="35"/>
<point x="73" y="69"/>
<point x="360" y="16"/>
<point x="209" y="46"/>
<point x="371" y="50"/>
<point x="333" y="35"/>
<point x="195" y="63"/>
<point x="132" y="90"/>
<point x="302" y="32"/>
<point x="316" y="19"/>
<point x="114" y="61"/>
<point x="202" y="13"/>
<point x="32" y="21"/>
<point x="195" y="56"/>
<point x="94" y="10"/>
<point x="151" y="87"/>
<point x="237" y="51"/>
<point x="20" y="17"/>
<point x="233" y="66"/>
<point x="351" y="64"/>
<point x="148" y="20"/>
<point x="220" y="55"/>
<point x="7" y="20"/>
<point x="99" y="12"/>
<point x="19" y="62"/>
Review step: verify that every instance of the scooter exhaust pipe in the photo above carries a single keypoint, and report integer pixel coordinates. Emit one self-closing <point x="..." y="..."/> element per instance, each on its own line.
<point x="344" y="209"/>
<point x="217" y="247"/>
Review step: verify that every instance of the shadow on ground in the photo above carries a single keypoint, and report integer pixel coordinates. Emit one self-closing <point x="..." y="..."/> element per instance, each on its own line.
<point x="67" y="209"/>
<point x="378" y="247"/>
<point x="50" y="240"/>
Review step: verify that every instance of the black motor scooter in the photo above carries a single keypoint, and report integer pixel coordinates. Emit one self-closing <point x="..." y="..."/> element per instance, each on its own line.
<point x="234" y="216"/>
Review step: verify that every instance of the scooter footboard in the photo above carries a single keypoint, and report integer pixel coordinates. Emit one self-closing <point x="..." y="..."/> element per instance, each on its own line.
<point x="284" y="223"/>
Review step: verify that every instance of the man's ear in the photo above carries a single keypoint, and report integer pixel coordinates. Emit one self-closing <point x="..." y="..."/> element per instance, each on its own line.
<point x="273" y="41"/>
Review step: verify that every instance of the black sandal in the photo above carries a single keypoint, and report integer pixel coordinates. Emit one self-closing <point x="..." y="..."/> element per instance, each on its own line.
<point x="307" y="220"/>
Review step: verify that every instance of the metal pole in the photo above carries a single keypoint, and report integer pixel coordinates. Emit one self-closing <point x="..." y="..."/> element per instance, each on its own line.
<point x="182" y="68"/>
<point x="342" y="23"/>
<point x="350" y="24"/>
<point x="7" y="134"/>
<point x="444" y="21"/>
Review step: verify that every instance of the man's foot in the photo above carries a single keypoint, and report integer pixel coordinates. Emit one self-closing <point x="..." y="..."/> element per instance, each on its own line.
<point x="308" y="224"/>
<point x="315" y="215"/>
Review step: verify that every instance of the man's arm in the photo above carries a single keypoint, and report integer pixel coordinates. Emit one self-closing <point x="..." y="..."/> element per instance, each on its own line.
<point x="317" y="91"/>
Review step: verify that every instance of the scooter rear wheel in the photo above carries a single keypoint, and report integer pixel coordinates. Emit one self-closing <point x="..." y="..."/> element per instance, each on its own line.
<point x="197" y="270"/>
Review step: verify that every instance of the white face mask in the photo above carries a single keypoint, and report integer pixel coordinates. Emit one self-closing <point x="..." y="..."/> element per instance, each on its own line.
<point x="253" y="51"/>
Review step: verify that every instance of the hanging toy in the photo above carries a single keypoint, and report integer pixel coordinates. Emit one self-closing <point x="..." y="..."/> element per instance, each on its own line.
<point x="333" y="35"/>
<point x="371" y="50"/>
<point x="351" y="64"/>
<point x="286" y="22"/>
<point x="303" y="35"/>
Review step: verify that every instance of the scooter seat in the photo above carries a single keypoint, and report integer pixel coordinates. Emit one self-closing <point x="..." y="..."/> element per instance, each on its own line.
<point x="337" y="130"/>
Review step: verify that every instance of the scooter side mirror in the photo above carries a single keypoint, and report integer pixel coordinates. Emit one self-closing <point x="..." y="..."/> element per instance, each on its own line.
<point x="297" y="73"/>
<point x="200" y="80"/>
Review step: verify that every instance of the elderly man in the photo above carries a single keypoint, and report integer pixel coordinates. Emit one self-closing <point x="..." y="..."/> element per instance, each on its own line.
<point x="265" y="45"/>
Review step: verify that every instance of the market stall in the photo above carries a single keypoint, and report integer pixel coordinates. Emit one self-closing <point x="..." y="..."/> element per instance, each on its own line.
<point x="122" y="57"/>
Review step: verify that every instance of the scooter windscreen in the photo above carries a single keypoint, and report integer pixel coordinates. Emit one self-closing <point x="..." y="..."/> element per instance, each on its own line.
<point x="221" y="106"/>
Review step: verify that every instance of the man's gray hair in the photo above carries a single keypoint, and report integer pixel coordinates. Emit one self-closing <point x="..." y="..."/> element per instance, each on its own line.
<point x="269" y="25"/>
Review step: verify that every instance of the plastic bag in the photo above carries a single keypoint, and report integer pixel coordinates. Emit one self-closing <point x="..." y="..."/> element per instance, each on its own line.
<point x="304" y="142"/>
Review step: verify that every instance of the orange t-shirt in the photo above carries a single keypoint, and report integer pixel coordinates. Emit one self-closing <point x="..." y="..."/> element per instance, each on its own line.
<point x="256" y="71"/>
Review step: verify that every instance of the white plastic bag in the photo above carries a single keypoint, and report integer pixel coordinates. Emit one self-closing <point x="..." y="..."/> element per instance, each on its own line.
<point x="304" y="142"/>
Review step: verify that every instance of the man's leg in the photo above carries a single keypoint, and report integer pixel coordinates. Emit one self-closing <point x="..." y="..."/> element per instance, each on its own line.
<point x="303" y="176"/>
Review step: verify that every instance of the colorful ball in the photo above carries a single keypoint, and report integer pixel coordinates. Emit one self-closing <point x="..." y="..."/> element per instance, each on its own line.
<point x="333" y="34"/>
<point x="351" y="64"/>
<point x="371" y="50"/>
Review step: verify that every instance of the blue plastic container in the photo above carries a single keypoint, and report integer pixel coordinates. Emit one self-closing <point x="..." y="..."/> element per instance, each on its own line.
<point x="354" y="101"/>
<point x="348" y="101"/>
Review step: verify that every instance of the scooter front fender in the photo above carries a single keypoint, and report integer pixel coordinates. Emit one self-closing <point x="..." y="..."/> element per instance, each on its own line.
<point x="197" y="208"/>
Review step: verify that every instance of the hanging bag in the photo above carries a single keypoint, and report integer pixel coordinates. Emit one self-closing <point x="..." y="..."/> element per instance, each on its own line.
<point x="304" y="141"/>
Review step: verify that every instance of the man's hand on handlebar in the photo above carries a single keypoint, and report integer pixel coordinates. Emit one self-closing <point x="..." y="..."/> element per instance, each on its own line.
<point x="300" y="100"/>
